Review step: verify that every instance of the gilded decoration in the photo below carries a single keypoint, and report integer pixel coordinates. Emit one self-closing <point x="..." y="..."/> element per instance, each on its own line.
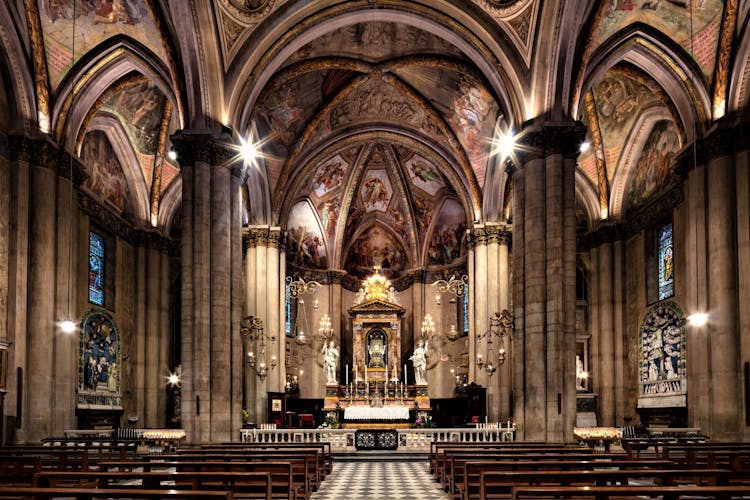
<point x="99" y="362"/>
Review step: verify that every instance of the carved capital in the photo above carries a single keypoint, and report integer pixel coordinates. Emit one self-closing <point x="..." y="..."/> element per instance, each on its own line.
<point x="478" y="236"/>
<point x="212" y="149"/>
<point x="497" y="234"/>
<point x="276" y="237"/>
<point x="537" y="142"/>
<point x="34" y="152"/>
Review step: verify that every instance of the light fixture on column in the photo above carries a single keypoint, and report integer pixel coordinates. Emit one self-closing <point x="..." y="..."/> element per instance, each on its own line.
<point x="251" y="329"/>
<point x="501" y="326"/>
<point x="325" y="330"/>
<point x="455" y="287"/>
<point x="428" y="327"/>
<point x="297" y="288"/>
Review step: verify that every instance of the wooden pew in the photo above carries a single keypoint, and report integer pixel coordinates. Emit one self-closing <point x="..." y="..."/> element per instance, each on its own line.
<point x="619" y="492"/>
<point x="439" y="447"/>
<point x="128" y="493"/>
<point x="470" y="486"/>
<point x="284" y="482"/>
<point x="324" y="446"/>
<point x="453" y="460"/>
<point x="500" y="484"/>
<point x="241" y="484"/>
<point x="307" y="463"/>
<point x="18" y="470"/>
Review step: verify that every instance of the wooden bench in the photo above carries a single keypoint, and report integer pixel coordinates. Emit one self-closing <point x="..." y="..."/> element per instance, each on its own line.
<point x="92" y="493"/>
<point x="436" y="447"/>
<point x="284" y="482"/>
<point x="324" y="446"/>
<point x="619" y="492"/>
<point x="468" y="484"/>
<point x="241" y="484"/>
<point x="500" y="484"/>
<point x="452" y="461"/>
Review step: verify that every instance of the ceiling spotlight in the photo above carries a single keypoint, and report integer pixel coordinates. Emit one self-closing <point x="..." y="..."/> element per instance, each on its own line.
<point x="172" y="155"/>
<point x="173" y="379"/>
<point x="248" y="151"/>
<point x="67" y="326"/>
<point x="698" y="319"/>
<point x="585" y="145"/>
<point x="506" y="144"/>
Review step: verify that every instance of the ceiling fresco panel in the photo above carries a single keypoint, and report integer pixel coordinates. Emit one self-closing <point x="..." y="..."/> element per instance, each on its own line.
<point x="376" y="246"/>
<point x="374" y="42"/>
<point x="92" y="22"/>
<point x="445" y="245"/>
<point x="106" y="181"/>
<point x="654" y="168"/>
<point x="673" y="18"/>
<point x="424" y="175"/>
<point x="306" y="245"/>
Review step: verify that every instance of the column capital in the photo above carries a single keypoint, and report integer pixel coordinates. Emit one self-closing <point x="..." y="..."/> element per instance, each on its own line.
<point x="539" y="140"/>
<point x="725" y="139"/>
<point x="44" y="153"/>
<point x="206" y="147"/>
<point x="489" y="234"/>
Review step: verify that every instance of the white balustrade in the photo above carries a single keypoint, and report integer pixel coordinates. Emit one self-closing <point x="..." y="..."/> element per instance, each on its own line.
<point x="414" y="439"/>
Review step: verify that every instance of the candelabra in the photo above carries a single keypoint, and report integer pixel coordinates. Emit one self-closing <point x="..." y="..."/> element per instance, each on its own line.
<point x="428" y="327"/>
<point x="297" y="288"/>
<point x="501" y="326"/>
<point x="251" y="329"/>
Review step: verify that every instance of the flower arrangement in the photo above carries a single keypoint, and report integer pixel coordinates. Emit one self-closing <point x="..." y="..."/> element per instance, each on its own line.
<point x="331" y="422"/>
<point x="424" y="420"/>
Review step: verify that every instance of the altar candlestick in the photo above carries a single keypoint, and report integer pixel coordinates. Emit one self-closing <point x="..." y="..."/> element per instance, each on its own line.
<point x="346" y="371"/>
<point x="365" y="374"/>
<point x="386" y="374"/>
<point x="406" y="381"/>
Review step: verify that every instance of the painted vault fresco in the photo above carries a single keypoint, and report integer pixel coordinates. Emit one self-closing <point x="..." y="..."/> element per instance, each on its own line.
<point x="673" y="18"/>
<point x="106" y="181"/>
<point x="329" y="176"/>
<point x="424" y="175"/>
<point x="99" y="363"/>
<point x="95" y="21"/>
<point x="450" y="226"/>
<point x="653" y="170"/>
<point x="305" y="245"/>
<point x="139" y="106"/>
<point x="376" y="247"/>
<point x="620" y="97"/>
<point x="375" y="41"/>
<point x="376" y="190"/>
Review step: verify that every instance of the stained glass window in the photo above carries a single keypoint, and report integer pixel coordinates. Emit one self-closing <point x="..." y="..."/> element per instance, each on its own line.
<point x="96" y="269"/>
<point x="465" y="311"/>
<point x="288" y="309"/>
<point x="666" y="263"/>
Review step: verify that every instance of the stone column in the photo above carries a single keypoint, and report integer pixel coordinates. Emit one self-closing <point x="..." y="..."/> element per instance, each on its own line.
<point x="722" y="328"/>
<point x="207" y="264"/>
<point x="545" y="224"/>
<point x="39" y="158"/>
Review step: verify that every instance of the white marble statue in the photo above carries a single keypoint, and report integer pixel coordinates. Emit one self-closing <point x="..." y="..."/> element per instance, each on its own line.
<point x="419" y="359"/>
<point x="330" y="361"/>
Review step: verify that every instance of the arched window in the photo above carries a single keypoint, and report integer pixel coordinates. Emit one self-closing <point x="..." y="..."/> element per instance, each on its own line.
<point x="97" y="268"/>
<point x="665" y="254"/>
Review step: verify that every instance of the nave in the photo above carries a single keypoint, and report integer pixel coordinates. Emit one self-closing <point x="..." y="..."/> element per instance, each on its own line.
<point x="378" y="479"/>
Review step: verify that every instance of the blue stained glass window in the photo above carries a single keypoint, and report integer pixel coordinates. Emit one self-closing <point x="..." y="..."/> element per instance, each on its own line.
<point x="466" y="309"/>
<point x="96" y="269"/>
<point x="288" y="309"/>
<point x="666" y="263"/>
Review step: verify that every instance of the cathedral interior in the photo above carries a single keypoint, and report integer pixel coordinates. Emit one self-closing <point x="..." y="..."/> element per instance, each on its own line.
<point x="209" y="209"/>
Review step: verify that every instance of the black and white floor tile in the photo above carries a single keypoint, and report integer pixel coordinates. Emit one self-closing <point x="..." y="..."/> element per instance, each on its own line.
<point x="380" y="480"/>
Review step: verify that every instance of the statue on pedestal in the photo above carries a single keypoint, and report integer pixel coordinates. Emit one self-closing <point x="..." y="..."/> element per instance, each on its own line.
<point x="419" y="359"/>
<point x="330" y="361"/>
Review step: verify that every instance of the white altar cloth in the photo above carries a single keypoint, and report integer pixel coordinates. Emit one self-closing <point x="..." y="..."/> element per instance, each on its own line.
<point x="389" y="412"/>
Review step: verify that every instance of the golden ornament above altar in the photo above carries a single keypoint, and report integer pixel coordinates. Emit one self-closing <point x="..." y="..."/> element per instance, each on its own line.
<point x="376" y="287"/>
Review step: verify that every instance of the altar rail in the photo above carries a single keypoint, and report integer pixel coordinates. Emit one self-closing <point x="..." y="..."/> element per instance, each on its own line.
<point x="408" y="439"/>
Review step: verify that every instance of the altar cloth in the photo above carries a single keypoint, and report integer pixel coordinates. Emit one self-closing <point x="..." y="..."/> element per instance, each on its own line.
<point x="394" y="412"/>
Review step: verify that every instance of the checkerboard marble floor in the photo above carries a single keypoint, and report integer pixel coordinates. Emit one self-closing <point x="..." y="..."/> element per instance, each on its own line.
<point x="380" y="480"/>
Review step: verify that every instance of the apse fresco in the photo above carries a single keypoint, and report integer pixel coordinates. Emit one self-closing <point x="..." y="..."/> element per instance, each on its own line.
<point x="450" y="226"/>
<point x="306" y="245"/>
<point x="139" y="105"/>
<point x="376" y="190"/>
<point x="95" y="21"/>
<point x="376" y="247"/>
<point x="106" y="181"/>
<point x="673" y="18"/>
<point x="653" y="170"/>
<point x="424" y="174"/>
<point x="329" y="176"/>
<point x="422" y="210"/>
